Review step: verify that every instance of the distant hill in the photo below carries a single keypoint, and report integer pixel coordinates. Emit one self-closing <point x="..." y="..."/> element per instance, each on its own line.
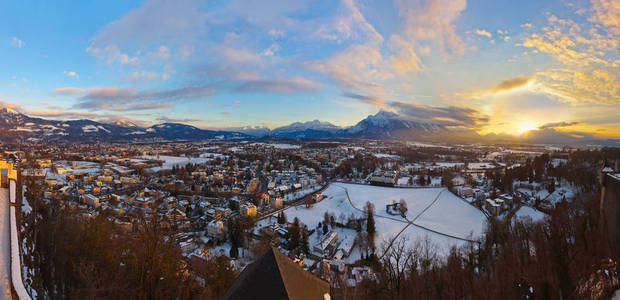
<point x="383" y="125"/>
<point x="16" y="127"/>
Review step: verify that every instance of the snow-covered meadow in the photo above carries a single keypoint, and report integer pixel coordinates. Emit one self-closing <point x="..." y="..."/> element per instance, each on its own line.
<point x="432" y="210"/>
<point x="174" y="161"/>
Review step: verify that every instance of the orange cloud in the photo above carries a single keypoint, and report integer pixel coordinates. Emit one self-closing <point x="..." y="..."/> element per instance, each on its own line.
<point x="510" y="84"/>
<point x="598" y="86"/>
<point x="482" y="32"/>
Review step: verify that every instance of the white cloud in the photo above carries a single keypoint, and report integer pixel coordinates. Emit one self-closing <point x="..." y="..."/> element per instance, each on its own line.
<point x="350" y="24"/>
<point x="435" y="21"/>
<point x="17" y="43"/>
<point x="163" y="52"/>
<point x="482" y="32"/>
<point x="112" y="54"/>
<point x="156" y="22"/>
<point x="137" y="76"/>
<point x="276" y="33"/>
<point x="71" y="74"/>
<point x="271" y="51"/>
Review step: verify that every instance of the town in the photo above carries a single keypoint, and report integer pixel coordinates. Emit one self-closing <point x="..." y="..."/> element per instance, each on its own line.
<point x="327" y="205"/>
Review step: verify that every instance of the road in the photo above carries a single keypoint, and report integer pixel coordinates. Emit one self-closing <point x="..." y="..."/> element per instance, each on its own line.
<point x="5" y="246"/>
<point x="296" y="202"/>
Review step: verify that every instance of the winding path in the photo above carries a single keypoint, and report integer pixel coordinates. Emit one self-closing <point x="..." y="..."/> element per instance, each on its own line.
<point x="408" y="222"/>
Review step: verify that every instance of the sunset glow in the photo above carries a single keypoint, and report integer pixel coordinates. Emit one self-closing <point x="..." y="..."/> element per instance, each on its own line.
<point x="444" y="62"/>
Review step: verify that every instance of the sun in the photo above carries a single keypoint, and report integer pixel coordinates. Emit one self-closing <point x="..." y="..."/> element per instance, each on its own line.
<point x="526" y="126"/>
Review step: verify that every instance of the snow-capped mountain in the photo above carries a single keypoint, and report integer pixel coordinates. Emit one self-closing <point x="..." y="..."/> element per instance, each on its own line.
<point x="383" y="125"/>
<point x="256" y="131"/>
<point x="388" y="125"/>
<point x="313" y="125"/>
<point x="18" y="127"/>
<point x="310" y="129"/>
<point x="125" y="123"/>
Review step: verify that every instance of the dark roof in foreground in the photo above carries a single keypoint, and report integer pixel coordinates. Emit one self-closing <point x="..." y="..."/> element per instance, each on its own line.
<point x="275" y="276"/>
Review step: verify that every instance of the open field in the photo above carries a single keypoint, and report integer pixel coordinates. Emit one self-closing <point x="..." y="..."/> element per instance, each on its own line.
<point x="433" y="213"/>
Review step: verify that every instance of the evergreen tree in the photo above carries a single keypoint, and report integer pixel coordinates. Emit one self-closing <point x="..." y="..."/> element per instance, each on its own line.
<point x="294" y="233"/>
<point x="305" y="246"/>
<point x="234" y="252"/>
<point x="284" y="220"/>
<point x="370" y="225"/>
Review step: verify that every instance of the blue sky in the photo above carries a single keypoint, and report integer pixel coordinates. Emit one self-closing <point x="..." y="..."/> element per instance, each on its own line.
<point x="489" y="66"/>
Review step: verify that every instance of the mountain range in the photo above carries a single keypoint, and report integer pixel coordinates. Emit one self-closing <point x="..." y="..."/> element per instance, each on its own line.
<point x="383" y="125"/>
<point x="18" y="127"/>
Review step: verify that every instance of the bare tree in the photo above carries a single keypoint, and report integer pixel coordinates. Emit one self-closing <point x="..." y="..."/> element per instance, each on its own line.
<point x="397" y="262"/>
<point x="403" y="207"/>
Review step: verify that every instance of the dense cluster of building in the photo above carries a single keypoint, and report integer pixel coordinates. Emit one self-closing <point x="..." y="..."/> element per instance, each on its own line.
<point x="198" y="189"/>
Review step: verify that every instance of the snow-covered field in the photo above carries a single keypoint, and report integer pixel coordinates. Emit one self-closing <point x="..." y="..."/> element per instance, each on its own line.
<point x="449" y="214"/>
<point x="416" y="199"/>
<point x="384" y="155"/>
<point x="170" y="161"/>
<point x="453" y="216"/>
<point x="213" y="155"/>
<point x="424" y="145"/>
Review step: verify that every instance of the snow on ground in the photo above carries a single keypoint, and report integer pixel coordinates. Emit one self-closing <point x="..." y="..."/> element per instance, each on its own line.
<point x="449" y="213"/>
<point x="384" y="155"/>
<point x="170" y="161"/>
<point x="26" y="208"/>
<point x="345" y="236"/>
<point x="90" y="128"/>
<point x="300" y="193"/>
<point x="415" y="235"/>
<point x="450" y="164"/>
<point x="423" y="145"/>
<point x="526" y="212"/>
<point x="480" y="165"/>
<point x="558" y="161"/>
<point x="564" y="191"/>
<point x="403" y="180"/>
<point x="286" y="146"/>
<point x="335" y="202"/>
<point x="213" y="155"/>
<point x="416" y="199"/>
<point x="354" y="148"/>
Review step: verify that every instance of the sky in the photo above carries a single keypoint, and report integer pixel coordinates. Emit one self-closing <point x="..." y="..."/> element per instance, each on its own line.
<point x="491" y="66"/>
